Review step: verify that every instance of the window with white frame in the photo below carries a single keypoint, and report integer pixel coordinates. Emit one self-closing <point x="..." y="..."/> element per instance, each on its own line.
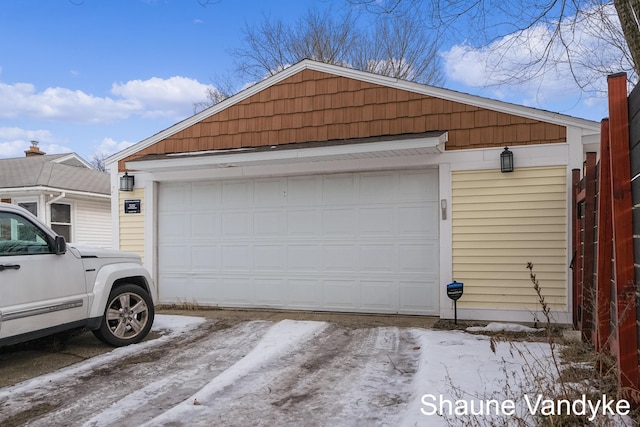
<point x="30" y="206"/>
<point x="61" y="220"/>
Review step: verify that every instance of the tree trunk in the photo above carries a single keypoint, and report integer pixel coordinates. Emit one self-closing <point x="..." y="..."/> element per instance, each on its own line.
<point x="628" y="13"/>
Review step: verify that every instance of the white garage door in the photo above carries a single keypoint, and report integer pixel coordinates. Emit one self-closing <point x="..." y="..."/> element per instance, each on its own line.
<point x="357" y="242"/>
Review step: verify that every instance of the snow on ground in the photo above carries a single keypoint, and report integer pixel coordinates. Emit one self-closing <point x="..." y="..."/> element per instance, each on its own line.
<point x="503" y="327"/>
<point x="287" y="373"/>
<point x="170" y="326"/>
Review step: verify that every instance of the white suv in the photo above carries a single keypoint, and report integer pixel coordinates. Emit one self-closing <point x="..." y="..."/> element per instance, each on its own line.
<point x="47" y="286"/>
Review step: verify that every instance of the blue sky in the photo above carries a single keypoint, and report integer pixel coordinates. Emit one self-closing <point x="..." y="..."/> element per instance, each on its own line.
<point x="93" y="76"/>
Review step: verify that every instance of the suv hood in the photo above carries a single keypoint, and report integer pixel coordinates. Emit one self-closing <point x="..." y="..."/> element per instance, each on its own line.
<point x="89" y="252"/>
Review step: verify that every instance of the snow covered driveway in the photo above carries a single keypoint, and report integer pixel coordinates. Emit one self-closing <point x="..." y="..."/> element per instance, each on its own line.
<point x="233" y="373"/>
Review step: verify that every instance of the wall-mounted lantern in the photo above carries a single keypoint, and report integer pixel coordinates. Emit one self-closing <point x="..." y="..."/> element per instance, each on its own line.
<point x="126" y="182"/>
<point x="506" y="160"/>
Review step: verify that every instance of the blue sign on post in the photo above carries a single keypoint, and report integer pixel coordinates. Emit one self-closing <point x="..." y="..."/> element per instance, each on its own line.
<point x="454" y="292"/>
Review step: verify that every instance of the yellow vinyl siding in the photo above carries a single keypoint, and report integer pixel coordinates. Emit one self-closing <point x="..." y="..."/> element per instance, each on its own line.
<point x="132" y="225"/>
<point x="502" y="221"/>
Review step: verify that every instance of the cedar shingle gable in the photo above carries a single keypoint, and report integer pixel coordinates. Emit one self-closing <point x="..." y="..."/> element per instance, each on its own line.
<point x="315" y="106"/>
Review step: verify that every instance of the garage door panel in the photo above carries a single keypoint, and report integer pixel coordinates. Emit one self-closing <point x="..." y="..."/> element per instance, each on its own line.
<point x="270" y="292"/>
<point x="362" y="242"/>
<point x="269" y="192"/>
<point x="178" y="289"/>
<point x="174" y="257"/>
<point x="305" y="293"/>
<point x="304" y="258"/>
<point x="378" y="258"/>
<point x="417" y="257"/>
<point x="417" y="295"/>
<point x="269" y="258"/>
<point x="236" y="258"/>
<point x="174" y="197"/>
<point x="338" y="189"/>
<point x="303" y="223"/>
<point x="205" y="196"/>
<point x="205" y="226"/>
<point x="237" y="292"/>
<point x="340" y="222"/>
<point x="173" y="226"/>
<point x="205" y="257"/>
<point x="380" y="296"/>
<point x="204" y="290"/>
<point x="267" y="223"/>
<point x="377" y="221"/>
<point x="237" y="194"/>
<point x="418" y="220"/>
<point x="340" y="258"/>
<point x="303" y="191"/>
<point x="342" y="295"/>
<point x="412" y="186"/>
<point x="377" y="187"/>
<point x="236" y="224"/>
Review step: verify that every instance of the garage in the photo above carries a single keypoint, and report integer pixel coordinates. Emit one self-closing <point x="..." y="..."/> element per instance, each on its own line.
<point x="355" y="242"/>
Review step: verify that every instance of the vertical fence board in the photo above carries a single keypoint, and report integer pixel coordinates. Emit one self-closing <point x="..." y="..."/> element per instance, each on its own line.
<point x="605" y="244"/>
<point x="588" y="248"/>
<point x="623" y="232"/>
<point x="634" y="145"/>
<point x="576" y="262"/>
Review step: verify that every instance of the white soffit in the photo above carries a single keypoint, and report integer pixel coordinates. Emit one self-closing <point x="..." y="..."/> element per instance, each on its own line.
<point x="282" y="154"/>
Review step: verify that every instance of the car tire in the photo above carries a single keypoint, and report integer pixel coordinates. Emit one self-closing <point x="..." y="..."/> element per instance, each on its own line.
<point x="128" y="316"/>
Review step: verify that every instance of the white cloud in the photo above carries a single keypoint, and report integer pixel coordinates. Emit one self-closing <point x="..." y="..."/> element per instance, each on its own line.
<point x="109" y="146"/>
<point x="15" y="141"/>
<point x="509" y="68"/>
<point x="171" y="98"/>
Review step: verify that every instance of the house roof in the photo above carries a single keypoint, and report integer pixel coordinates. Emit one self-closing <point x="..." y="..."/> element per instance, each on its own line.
<point x="59" y="171"/>
<point x="178" y="134"/>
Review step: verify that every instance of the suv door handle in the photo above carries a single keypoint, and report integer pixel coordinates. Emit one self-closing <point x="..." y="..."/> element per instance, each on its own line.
<point x="9" y="267"/>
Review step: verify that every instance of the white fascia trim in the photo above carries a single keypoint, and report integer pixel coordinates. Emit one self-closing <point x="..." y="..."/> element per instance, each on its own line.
<point x="450" y="95"/>
<point x="56" y="190"/>
<point x="184" y="162"/>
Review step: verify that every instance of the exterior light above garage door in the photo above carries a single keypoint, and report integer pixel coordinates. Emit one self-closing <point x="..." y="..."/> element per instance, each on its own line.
<point x="506" y="160"/>
<point x="126" y="182"/>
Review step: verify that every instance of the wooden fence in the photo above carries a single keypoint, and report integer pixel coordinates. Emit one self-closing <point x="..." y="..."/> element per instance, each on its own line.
<point x="606" y="228"/>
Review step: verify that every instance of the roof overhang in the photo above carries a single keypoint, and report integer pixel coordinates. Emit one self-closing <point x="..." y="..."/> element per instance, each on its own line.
<point x="47" y="189"/>
<point x="396" y="146"/>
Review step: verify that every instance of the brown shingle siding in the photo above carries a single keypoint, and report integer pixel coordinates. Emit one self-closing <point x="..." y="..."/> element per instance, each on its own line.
<point x="314" y="106"/>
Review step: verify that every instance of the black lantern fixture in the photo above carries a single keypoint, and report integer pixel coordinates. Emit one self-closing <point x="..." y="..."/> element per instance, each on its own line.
<point x="506" y="160"/>
<point x="126" y="182"/>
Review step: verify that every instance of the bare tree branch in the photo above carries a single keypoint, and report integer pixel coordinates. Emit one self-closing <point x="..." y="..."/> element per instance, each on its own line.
<point x="396" y="46"/>
<point x="579" y="35"/>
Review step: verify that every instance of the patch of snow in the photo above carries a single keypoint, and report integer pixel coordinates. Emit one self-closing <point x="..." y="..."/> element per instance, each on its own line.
<point x="175" y="325"/>
<point x="282" y="338"/>
<point x="503" y="327"/>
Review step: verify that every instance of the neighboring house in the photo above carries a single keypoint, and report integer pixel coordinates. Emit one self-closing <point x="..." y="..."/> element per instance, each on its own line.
<point x="64" y="191"/>
<point x="326" y="188"/>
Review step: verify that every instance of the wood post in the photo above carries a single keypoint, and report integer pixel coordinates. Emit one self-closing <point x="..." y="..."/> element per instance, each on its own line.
<point x="605" y="244"/>
<point x="627" y="338"/>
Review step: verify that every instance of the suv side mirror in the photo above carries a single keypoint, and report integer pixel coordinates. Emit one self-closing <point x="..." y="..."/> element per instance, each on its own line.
<point x="60" y="246"/>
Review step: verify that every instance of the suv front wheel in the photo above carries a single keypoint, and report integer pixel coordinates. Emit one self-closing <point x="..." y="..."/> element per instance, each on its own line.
<point x="127" y="318"/>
